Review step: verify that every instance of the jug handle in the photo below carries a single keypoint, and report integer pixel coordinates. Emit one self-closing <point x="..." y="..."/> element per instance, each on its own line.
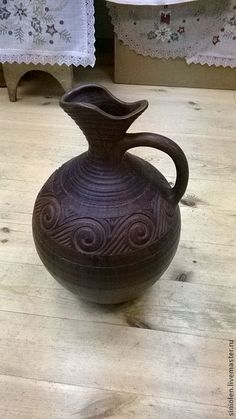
<point x="147" y="139"/>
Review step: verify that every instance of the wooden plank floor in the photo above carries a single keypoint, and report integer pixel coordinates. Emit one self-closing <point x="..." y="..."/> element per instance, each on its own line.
<point x="164" y="355"/>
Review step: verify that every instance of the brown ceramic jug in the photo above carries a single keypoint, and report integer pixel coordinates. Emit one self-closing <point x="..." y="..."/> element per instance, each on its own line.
<point x="107" y="224"/>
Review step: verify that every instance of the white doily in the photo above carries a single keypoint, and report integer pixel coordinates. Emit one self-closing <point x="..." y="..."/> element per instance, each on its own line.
<point x="202" y="31"/>
<point x="47" y="32"/>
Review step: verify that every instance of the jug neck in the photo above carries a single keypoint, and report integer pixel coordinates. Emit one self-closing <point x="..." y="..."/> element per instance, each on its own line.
<point x="104" y="154"/>
<point x="103" y="119"/>
<point x="104" y="138"/>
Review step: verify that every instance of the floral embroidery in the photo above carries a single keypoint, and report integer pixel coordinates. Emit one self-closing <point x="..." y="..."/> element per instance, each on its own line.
<point x="232" y="20"/>
<point x="215" y="39"/>
<point x="151" y="35"/>
<point x="165" y="18"/>
<point x="33" y="18"/>
<point x="65" y="35"/>
<point x="228" y="35"/>
<point x="20" y="11"/>
<point x="35" y="23"/>
<point x="174" y="36"/>
<point x="181" y="29"/>
<point x="51" y="29"/>
<point x="4" y="13"/>
<point x="163" y="33"/>
<point x="19" y="34"/>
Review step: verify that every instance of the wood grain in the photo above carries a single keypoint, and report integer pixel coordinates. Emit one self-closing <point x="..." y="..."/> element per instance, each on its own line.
<point x="70" y="352"/>
<point x="177" y="306"/>
<point x="42" y="399"/>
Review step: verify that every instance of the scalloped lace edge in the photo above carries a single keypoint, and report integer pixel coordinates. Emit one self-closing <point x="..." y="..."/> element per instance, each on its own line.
<point x="178" y="53"/>
<point x="212" y="61"/>
<point x="196" y="59"/>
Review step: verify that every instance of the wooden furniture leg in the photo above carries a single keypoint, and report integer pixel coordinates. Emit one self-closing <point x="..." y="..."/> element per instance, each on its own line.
<point x="14" y="72"/>
<point x="2" y="80"/>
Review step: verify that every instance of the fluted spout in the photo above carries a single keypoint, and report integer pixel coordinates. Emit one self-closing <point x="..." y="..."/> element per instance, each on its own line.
<point x="100" y="115"/>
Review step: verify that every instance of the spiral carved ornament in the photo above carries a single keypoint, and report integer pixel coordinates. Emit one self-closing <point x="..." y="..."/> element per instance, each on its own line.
<point x="87" y="235"/>
<point x="49" y="212"/>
